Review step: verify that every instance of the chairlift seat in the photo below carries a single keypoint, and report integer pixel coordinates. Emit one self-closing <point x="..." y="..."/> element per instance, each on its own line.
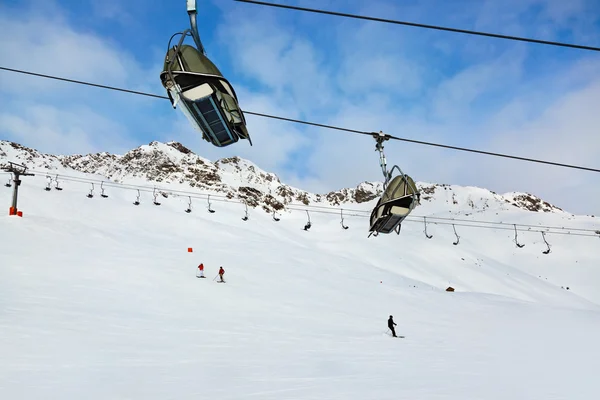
<point x="207" y="99"/>
<point x="396" y="203"/>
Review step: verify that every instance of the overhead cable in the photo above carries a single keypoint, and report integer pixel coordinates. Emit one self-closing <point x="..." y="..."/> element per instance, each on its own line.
<point x="312" y="208"/>
<point x="417" y="25"/>
<point x="322" y="125"/>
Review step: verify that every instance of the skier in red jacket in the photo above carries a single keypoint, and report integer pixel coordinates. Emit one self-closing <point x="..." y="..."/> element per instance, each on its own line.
<point x="221" y="272"/>
<point x="200" y="271"/>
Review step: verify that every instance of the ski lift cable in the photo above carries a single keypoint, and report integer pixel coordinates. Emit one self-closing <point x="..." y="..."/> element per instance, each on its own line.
<point x="464" y="225"/>
<point x="225" y="198"/>
<point x="418" y="25"/>
<point x="305" y="208"/>
<point x="488" y="153"/>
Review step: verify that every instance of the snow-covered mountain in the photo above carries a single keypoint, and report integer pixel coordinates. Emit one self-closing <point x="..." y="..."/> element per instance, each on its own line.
<point x="236" y="178"/>
<point x="99" y="298"/>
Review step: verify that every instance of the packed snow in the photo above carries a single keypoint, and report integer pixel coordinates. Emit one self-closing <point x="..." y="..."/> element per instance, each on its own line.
<point x="99" y="299"/>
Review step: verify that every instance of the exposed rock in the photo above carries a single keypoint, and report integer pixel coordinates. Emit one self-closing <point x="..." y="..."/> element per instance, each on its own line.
<point x="239" y="179"/>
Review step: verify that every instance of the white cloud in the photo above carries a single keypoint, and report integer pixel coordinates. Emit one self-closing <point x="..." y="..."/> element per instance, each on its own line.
<point x="63" y="117"/>
<point x="424" y="85"/>
<point x="58" y="130"/>
<point x="43" y="41"/>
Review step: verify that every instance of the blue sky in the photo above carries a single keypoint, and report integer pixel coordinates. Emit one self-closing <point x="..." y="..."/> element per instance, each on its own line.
<point x="496" y="95"/>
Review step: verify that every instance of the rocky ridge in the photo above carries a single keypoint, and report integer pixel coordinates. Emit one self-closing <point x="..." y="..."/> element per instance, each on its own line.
<point x="236" y="178"/>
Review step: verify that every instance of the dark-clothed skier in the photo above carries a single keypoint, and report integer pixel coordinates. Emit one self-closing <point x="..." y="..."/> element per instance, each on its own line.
<point x="221" y="272"/>
<point x="391" y="324"/>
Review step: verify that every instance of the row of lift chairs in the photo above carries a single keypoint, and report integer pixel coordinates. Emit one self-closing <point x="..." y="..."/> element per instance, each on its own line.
<point x="307" y="226"/>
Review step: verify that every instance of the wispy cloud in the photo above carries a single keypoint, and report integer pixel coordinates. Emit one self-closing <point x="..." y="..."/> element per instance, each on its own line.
<point x="529" y="100"/>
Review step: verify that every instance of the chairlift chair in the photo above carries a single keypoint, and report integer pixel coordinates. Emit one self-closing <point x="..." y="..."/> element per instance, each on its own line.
<point x="189" y="209"/>
<point x="8" y="184"/>
<point x="397" y="201"/>
<point x="516" y="240"/>
<point x="342" y="221"/>
<point x="245" y="217"/>
<point x="457" y="237"/>
<point x="156" y="203"/>
<point x="210" y="210"/>
<point x="308" y="224"/>
<point x="91" y="193"/>
<point x="547" y="244"/>
<point x="275" y="218"/>
<point x="56" y="180"/>
<point x="104" y="195"/>
<point x="205" y="97"/>
<point x="48" y="183"/>
<point x="425" y="230"/>
<point x="400" y="196"/>
<point x="137" y="200"/>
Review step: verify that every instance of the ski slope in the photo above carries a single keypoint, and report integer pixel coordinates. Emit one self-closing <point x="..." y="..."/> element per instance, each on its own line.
<point x="99" y="300"/>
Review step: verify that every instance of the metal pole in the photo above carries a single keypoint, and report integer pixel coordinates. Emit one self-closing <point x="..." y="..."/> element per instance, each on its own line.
<point x="17" y="182"/>
<point x="14" y="169"/>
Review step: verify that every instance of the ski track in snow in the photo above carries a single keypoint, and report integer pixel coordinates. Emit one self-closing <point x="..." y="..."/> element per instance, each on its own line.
<point x="99" y="300"/>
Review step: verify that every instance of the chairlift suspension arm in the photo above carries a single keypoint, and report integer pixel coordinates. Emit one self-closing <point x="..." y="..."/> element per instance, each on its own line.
<point x="380" y="138"/>
<point x="192" y="10"/>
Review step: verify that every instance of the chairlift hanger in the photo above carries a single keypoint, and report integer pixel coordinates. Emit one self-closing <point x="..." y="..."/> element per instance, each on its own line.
<point x="137" y="200"/>
<point x="342" y="221"/>
<point x="547" y="244"/>
<point x="516" y="239"/>
<point x="457" y="237"/>
<point x="210" y="210"/>
<point x="245" y="217"/>
<point x="308" y="225"/>
<point x="275" y="218"/>
<point x="56" y="180"/>
<point x="189" y="209"/>
<point x="48" y="183"/>
<point x="104" y="195"/>
<point x="91" y="193"/>
<point x="425" y="230"/>
<point x="156" y="203"/>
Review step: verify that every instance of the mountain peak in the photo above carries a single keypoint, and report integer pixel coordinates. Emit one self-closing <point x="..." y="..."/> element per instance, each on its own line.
<point x="237" y="178"/>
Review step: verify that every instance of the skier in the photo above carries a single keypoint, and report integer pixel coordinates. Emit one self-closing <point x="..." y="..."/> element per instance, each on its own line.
<point x="391" y="324"/>
<point x="221" y="272"/>
<point x="200" y="271"/>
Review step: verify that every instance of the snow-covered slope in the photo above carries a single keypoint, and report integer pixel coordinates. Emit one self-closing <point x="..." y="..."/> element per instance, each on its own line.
<point x="99" y="299"/>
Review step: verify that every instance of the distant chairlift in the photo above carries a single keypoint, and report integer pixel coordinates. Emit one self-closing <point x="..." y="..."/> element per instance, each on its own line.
<point x="103" y="195"/>
<point x="57" y="187"/>
<point x="210" y="210"/>
<point x="516" y="240"/>
<point x="189" y="209"/>
<point x="547" y="244"/>
<point x="425" y="230"/>
<point x="48" y="183"/>
<point x="245" y="217"/>
<point x="308" y="224"/>
<point x="276" y="219"/>
<point x="156" y="203"/>
<point x="457" y="237"/>
<point x="137" y="200"/>
<point x="91" y="193"/>
<point x="342" y="221"/>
